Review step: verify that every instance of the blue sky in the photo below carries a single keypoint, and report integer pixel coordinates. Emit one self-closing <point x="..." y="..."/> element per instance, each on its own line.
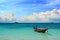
<point x="27" y="7"/>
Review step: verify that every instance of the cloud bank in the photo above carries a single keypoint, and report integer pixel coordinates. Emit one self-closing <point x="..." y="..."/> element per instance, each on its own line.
<point x="41" y="17"/>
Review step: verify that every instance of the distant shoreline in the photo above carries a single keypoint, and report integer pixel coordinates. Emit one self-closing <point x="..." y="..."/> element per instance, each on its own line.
<point x="27" y="23"/>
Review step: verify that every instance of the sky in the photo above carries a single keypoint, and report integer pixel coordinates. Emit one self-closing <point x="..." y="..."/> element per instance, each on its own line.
<point x="30" y="11"/>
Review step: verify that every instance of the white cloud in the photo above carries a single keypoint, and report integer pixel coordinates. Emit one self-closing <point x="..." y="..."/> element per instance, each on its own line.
<point x="48" y="16"/>
<point x="53" y="3"/>
<point x="8" y="17"/>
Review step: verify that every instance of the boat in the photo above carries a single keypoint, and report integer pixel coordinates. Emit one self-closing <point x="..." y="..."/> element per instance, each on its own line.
<point x="16" y="22"/>
<point x="43" y="30"/>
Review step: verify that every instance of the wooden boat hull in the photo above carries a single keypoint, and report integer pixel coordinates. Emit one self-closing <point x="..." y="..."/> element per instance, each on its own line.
<point x="41" y="30"/>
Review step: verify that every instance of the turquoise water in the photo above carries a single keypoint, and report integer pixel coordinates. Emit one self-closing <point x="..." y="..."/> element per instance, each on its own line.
<point x="24" y="31"/>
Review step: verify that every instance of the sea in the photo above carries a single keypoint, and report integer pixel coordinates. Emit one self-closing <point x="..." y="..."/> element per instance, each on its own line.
<point x="25" y="31"/>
